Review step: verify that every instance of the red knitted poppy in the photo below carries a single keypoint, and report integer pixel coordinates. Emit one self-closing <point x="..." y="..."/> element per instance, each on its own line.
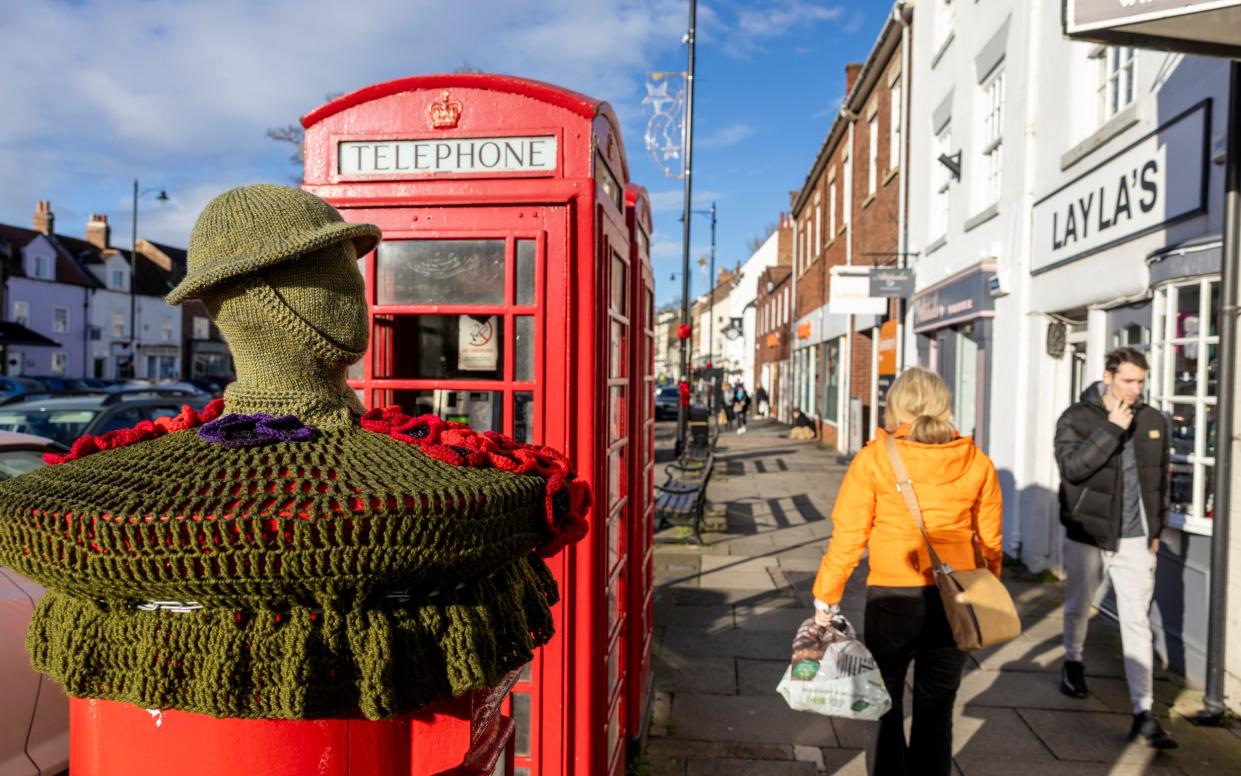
<point x="145" y="430"/>
<point x="567" y="499"/>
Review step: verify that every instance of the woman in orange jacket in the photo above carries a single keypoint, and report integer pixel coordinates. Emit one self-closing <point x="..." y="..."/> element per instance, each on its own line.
<point x="959" y="494"/>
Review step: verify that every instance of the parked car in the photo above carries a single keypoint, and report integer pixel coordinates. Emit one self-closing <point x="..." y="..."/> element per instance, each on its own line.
<point x="53" y="382"/>
<point x="34" y="717"/>
<point x="666" y="402"/>
<point x="65" y="419"/>
<point x="16" y="388"/>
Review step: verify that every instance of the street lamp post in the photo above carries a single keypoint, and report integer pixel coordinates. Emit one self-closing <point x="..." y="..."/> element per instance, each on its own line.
<point x="133" y="278"/>
<point x="682" y="410"/>
<point x="710" y="315"/>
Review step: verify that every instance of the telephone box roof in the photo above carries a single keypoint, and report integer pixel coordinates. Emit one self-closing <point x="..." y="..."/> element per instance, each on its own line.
<point x="584" y="106"/>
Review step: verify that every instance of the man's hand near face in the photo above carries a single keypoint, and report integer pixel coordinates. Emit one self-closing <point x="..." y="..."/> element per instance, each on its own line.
<point x="1119" y="412"/>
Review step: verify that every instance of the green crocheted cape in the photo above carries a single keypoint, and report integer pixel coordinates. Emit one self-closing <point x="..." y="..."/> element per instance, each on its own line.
<point x="347" y="575"/>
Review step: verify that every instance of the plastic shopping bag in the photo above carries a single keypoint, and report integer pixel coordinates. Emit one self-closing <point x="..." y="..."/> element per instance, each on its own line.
<point x="833" y="673"/>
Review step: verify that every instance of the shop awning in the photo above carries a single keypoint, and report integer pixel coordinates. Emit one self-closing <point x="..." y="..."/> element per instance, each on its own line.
<point x="15" y="334"/>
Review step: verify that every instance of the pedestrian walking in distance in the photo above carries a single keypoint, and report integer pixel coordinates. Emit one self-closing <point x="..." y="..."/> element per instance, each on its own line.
<point x="760" y="400"/>
<point x="741" y="405"/>
<point x="959" y="493"/>
<point x="1112" y="451"/>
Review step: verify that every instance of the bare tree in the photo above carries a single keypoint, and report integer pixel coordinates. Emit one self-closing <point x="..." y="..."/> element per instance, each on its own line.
<point x="756" y="242"/>
<point x="293" y="133"/>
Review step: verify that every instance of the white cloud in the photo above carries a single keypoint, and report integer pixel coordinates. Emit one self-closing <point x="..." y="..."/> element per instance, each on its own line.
<point x="180" y="94"/>
<point x="724" y="136"/>
<point x="741" y="29"/>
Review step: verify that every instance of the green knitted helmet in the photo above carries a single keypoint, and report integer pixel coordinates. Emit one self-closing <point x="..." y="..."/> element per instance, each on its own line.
<point x="251" y="227"/>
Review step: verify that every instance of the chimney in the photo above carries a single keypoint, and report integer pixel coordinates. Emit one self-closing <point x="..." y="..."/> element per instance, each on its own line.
<point x="851" y="73"/>
<point x="98" y="233"/>
<point x="44" y="220"/>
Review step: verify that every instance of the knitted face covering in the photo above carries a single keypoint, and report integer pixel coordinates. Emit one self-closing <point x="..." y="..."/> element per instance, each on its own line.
<point x="293" y="330"/>
<point x="289" y="558"/>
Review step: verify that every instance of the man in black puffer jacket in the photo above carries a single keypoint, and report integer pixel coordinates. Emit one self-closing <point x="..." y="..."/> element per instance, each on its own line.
<point x="1113" y="455"/>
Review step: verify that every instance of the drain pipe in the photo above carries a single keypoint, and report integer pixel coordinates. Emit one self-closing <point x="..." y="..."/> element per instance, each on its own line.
<point x="1217" y="613"/>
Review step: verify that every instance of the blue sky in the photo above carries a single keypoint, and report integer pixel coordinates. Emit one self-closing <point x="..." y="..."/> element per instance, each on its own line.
<point x="179" y="94"/>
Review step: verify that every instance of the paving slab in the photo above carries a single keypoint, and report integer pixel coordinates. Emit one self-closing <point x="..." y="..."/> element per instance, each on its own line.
<point x="845" y="762"/>
<point x="707" y="618"/>
<point x="667" y="747"/>
<point x="1014" y="689"/>
<point x="738" y="642"/>
<point x="759" y="677"/>
<point x="973" y="765"/>
<point x="984" y="730"/>
<point x="752" y="719"/>
<point x="1098" y="737"/>
<point x="676" y="673"/>
<point x="685" y="596"/>
<point x="719" y="767"/>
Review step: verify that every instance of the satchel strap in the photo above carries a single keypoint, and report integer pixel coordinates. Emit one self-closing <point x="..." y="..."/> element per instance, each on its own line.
<point x="906" y="487"/>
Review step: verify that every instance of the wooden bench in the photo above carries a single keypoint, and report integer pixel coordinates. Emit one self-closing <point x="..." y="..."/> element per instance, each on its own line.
<point x="682" y="499"/>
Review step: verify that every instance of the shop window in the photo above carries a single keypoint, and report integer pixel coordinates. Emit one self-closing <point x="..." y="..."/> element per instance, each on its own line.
<point x="1184" y="384"/>
<point x="831" y="410"/>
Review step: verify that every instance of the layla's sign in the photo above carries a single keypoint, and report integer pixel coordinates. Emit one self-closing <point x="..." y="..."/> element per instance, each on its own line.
<point x="1152" y="183"/>
<point x="439" y="156"/>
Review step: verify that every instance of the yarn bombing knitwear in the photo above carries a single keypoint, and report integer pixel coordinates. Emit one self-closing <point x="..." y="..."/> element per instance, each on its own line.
<point x="327" y="585"/>
<point x="283" y="554"/>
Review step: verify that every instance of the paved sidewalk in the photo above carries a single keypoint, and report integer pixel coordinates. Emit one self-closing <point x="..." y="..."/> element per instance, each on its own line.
<point x="725" y="616"/>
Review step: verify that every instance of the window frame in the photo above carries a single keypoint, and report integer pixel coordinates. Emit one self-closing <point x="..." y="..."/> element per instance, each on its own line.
<point x="1117" y="75"/>
<point x="991" y="133"/>
<point x="872" y="154"/>
<point x="941" y="183"/>
<point x="21" y="312"/>
<point x="60" y="320"/>
<point x="1163" y="395"/>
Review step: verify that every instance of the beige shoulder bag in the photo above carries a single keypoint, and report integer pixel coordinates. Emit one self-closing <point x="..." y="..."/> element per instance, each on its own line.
<point x="979" y="608"/>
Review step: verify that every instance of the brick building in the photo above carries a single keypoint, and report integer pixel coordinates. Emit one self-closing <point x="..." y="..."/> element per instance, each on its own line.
<point x="771" y="341"/>
<point x="848" y="217"/>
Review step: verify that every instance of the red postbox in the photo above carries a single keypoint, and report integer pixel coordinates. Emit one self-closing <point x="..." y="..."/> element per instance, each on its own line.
<point x="506" y="294"/>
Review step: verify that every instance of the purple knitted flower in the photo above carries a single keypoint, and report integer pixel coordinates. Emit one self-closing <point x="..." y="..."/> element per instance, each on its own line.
<point x="253" y="430"/>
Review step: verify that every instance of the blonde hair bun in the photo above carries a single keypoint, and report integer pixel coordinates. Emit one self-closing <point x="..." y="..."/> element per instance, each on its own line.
<point x="920" y="398"/>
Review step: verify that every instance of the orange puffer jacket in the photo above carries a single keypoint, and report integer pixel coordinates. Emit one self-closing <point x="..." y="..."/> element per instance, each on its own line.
<point x="956" y="486"/>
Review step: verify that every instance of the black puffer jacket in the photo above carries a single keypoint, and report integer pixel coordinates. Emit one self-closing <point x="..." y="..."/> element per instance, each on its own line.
<point x="1088" y="451"/>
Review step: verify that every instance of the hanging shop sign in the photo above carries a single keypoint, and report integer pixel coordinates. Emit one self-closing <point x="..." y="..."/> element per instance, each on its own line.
<point x="849" y="293"/>
<point x="1158" y="180"/>
<point x="1195" y="26"/>
<point x="891" y="282"/>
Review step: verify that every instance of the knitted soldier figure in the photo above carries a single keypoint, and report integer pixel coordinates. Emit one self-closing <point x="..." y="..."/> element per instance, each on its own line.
<point x="282" y="554"/>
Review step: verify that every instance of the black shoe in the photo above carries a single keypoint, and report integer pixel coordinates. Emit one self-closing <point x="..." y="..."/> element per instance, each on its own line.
<point x="1148" y="729"/>
<point x="1073" y="679"/>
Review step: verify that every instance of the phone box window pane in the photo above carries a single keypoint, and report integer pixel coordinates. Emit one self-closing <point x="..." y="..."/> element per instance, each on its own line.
<point x="618" y="360"/>
<point x="523" y="348"/>
<point x="523" y="416"/>
<point x="1208" y="493"/>
<point x="617" y="411"/>
<point x="480" y="410"/>
<point x="618" y="284"/>
<point x="616" y="488"/>
<point x="615" y="524"/>
<point x="1212" y="370"/>
<point x="441" y="272"/>
<point x="357" y="370"/>
<point x="525" y="272"/>
<point x="440" y="347"/>
<point x="1210" y="430"/>
<point x="521" y="719"/>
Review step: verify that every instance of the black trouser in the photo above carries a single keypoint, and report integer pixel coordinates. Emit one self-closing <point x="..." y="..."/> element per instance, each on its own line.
<point x="904" y="624"/>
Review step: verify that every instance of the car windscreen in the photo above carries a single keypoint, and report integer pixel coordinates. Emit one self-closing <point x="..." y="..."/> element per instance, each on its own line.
<point x="668" y="393"/>
<point x="15" y="462"/>
<point x="63" y="426"/>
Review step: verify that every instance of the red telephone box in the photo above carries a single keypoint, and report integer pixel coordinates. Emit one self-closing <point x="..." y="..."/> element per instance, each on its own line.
<point x="504" y="294"/>
<point x="642" y="504"/>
